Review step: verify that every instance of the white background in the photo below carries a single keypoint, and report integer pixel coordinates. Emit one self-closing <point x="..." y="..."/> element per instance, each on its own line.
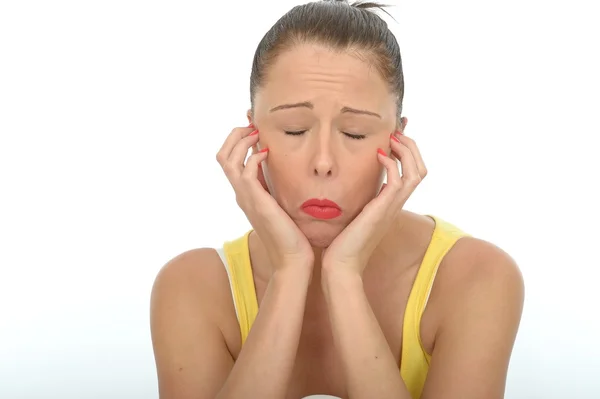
<point x="111" y="114"/>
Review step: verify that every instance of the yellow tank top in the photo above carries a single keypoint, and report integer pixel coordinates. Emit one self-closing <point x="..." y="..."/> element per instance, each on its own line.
<point x="415" y="360"/>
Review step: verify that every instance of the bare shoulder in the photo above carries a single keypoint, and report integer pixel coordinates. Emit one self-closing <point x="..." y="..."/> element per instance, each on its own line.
<point x="195" y="272"/>
<point x="478" y="296"/>
<point x="198" y="281"/>
<point x="480" y="280"/>
<point x="192" y="321"/>
<point x="474" y="261"/>
<point x="471" y="263"/>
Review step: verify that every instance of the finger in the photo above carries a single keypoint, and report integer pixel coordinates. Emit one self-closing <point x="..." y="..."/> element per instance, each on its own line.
<point x="410" y="172"/>
<point x="379" y="212"/>
<point x="394" y="180"/>
<point x="240" y="151"/>
<point x="234" y="165"/>
<point x="251" y="169"/>
<point x="414" y="149"/>
<point x="250" y="191"/>
<point x="232" y="139"/>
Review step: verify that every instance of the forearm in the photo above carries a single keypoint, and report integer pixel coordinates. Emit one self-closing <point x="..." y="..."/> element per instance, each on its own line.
<point x="370" y="368"/>
<point x="266" y="361"/>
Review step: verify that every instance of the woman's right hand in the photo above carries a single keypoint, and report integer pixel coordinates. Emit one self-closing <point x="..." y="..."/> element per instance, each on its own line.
<point x="283" y="240"/>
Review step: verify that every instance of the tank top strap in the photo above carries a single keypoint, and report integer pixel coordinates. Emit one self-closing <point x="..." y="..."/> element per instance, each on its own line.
<point x="415" y="360"/>
<point x="443" y="239"/>
<point x="237" y="253"/>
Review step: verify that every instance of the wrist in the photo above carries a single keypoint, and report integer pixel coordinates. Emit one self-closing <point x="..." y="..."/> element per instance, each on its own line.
<point x="340" y="277"/>
<point x="298" y="272"/>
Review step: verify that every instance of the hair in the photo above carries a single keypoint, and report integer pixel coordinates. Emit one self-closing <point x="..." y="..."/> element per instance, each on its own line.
<point x="340" y="26"/>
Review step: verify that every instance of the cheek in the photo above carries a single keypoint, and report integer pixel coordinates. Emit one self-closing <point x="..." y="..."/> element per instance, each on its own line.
<point x="366" y="166"/>
<point x="281" y="175"/>
<point x="364" y="177"/>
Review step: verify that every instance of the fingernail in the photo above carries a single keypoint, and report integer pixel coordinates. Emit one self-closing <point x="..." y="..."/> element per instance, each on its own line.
<point x="253" y="133"/>
<point x="264" y="149"/>
<point x="379" y="150"/>
<point x="393" y="136"/>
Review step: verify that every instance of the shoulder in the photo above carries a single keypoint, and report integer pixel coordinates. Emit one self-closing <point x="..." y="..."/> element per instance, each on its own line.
<point x="194" y="281"/>
<point x="474" y="261"/>
<point x="478" y="296"/>
<point x="192" y="324"/>
<point x="480" y="276"/>
<point x="194" y="271"/>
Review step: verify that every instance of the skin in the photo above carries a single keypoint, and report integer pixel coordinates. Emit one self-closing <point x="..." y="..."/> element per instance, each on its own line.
<point x="324" y="161"/>
<point x="351" y="309"/>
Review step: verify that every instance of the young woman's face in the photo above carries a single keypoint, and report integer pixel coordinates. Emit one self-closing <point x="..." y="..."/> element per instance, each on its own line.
<point x="323" y="114"/>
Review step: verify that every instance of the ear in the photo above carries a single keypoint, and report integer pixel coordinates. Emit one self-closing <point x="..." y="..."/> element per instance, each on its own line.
<point x="250" y="120"/>
<point x="249" y="116"/>
<point x="403" y="123"/>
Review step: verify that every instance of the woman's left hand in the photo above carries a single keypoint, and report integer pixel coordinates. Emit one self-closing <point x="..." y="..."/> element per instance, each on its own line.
<point x="352" y="248"/>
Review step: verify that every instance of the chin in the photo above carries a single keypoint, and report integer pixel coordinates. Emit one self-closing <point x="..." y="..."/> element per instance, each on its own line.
<point x="320" y="234"/>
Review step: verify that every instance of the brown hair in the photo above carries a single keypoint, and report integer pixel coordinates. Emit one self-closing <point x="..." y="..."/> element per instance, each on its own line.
<point x="340" y="25"/>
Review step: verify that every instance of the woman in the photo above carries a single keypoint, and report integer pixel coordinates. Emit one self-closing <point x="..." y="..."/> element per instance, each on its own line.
<point x="337" y="290"/>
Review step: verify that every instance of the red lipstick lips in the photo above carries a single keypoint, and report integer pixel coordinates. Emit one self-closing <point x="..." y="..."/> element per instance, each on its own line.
<point x="321" y="208"/>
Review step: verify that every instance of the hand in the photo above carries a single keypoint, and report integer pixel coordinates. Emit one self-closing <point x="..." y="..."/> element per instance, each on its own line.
<point x="353" y="247"/>
<point x="284" y="241"/>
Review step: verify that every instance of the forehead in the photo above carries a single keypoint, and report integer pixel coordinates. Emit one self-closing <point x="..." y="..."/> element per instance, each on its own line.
<point x="309" y="71"/>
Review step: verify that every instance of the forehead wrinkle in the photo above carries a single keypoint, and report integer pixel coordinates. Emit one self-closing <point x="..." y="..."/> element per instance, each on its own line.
<point x="307" y="74"/>
<point x="341" y="78"/>
<point x="307" y="57"/>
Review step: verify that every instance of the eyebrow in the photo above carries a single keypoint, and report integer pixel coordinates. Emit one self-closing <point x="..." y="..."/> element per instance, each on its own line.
<point x="309" y="105"/>
<point x="359" y="112"/>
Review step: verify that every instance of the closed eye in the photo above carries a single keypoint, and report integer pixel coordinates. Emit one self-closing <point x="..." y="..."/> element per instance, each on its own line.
<point x="296" y="133"/>
<point x="355" y="136"/>
<point x="352" y="136"/>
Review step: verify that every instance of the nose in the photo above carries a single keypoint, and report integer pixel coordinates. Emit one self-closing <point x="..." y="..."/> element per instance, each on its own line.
<point x="323" y="160"/>
<point x="323" y="168"/>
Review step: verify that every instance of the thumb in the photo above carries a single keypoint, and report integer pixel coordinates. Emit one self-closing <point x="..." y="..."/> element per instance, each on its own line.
<point x="261" y="178"/>
<point x="382" y="188"/>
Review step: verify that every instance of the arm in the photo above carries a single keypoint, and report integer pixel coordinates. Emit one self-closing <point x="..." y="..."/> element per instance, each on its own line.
<point x="192" y="358"/>
<point x="476" y="336"/>
<point x="369" y="366"/>
<point x="266" y="362"/>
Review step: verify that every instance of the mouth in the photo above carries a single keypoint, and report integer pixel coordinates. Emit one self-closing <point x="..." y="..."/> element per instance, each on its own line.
<point x="321" y="208"/>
